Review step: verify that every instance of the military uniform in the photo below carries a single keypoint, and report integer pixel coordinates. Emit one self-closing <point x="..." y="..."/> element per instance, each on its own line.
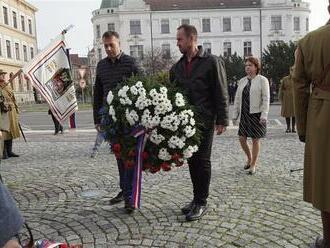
<point x="286" y="97"/>
<point x="312" y="108"/>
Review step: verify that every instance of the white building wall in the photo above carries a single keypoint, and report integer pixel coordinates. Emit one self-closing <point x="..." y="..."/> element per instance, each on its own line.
<point x="136" y="10"/>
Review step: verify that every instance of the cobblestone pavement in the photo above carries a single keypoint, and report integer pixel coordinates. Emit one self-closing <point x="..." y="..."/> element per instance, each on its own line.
<point x="64" y="194"/>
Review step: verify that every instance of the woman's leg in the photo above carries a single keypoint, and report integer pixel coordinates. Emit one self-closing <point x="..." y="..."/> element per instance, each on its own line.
<point x="255" y="151"/>
<point x="288" y="129"/>
<point x="246" y="148"/>
<point x="293" y="124"/>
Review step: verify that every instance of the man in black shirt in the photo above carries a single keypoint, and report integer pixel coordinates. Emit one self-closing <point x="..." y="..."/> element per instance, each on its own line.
<point x="202" y="76"/>
<point x="110" y="72"/>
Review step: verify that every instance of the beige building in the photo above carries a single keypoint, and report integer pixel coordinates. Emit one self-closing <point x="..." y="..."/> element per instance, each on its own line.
<point x="18" y="43"/>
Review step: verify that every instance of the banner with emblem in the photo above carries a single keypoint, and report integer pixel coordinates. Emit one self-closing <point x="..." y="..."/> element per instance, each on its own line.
<point x="50" y="73"/>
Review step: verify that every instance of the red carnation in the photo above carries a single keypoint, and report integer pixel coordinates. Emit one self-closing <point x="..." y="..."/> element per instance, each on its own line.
<point x="165" y="166"/>
<point x="176" y="157"/>
<point x="145" y="155"/>
<point x="116" y="148"/>
<point x="146" y="166"/>
<point x="154" y="169"/>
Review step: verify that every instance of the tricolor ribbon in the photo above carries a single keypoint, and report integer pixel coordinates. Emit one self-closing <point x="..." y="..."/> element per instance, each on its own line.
<point x="141" y="134"/>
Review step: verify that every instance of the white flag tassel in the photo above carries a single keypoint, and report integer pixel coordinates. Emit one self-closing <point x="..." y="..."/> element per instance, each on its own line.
<point x="50" y="73"/>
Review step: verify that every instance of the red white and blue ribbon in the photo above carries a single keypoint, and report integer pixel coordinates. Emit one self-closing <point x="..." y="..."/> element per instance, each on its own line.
<point x="141" y="134"/>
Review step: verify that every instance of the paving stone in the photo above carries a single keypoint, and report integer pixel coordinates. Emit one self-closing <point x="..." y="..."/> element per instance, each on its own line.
<point x="52" y="174"/>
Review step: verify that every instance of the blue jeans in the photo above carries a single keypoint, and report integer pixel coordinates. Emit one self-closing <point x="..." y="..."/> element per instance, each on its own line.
<point x="126" y="176"/>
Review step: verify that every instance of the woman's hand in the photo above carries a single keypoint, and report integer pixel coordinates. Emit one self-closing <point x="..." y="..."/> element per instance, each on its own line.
<point x="263" y="121"/>
<point x="220" y="129"/>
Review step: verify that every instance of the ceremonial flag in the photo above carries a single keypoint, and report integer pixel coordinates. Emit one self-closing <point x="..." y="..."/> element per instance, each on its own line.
<point x="50" y="73"/>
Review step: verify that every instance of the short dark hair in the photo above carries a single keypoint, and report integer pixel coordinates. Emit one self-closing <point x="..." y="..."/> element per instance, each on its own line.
<point x="254" y="61"/>
<point x="110" y="34"/>
<point x="189" y="30"/>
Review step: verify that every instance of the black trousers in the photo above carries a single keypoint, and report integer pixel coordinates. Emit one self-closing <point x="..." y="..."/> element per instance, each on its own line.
<point x="200" y="166"/>
<point x="57" y="124"/>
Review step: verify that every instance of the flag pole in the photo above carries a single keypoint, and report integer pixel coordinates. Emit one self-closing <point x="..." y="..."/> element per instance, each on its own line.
<point x="67" y="29"/>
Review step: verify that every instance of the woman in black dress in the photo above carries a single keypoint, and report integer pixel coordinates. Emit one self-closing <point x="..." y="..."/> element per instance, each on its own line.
<point x="251" y="110"/>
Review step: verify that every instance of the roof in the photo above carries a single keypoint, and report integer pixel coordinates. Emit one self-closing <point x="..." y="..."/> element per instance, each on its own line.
<point x="163" y="5"/>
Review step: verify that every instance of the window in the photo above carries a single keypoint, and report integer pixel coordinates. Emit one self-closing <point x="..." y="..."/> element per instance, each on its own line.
<point x="14" y="19"/>
<point x="111" y="27"/>
<point x="185" y="21"/>
<point x="31" y="52"/>
<point x="307" y="24"/>
<point x="28" y="85"/>
<point x="166" y="51"/>
<point x="136" y="51"/>
<point x="17" y="51"/>
<point x="276" y="22"/>
<point x="30" y="26"/>
<point x="99" y="51"/>
<point x="296" y="24"/>
<point x="98" y="31"/>
<point x="135" y="27"/>
<point x="0" y="48"/>
<point x="8" y="46"/>
<point x="5" y="15"/>
<point x="247" y="24"/>
<point x="227" y="49"/>
<point x="247" y="48"/>
<point x="20" y="83"/>
<point x="207" y="47"/>
<point x="165" y="26"/>
<point x="23" y="23"/>
<point x="25" y="53"/>
<point x="226" y="24"/>
<point x="206" y="25"/>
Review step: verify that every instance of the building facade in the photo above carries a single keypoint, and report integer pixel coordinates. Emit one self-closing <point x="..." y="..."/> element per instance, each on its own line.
<point x="18" y="43"/>
<point x="224" y="26"/>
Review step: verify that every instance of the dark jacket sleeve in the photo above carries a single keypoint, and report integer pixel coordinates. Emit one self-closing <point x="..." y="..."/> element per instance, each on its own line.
<point x="97" y="98"/>
<point x="220" y="92"/>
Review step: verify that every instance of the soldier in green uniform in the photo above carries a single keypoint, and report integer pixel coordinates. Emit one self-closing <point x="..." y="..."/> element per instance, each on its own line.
<point x="286" y="97"/>
<point x="311" y="79"/>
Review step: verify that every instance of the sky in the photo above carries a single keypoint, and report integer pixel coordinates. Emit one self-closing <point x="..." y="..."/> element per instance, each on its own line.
<point x="55" y="15"/>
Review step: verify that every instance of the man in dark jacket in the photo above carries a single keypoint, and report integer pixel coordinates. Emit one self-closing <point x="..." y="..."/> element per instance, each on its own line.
<point x="110" y="72"/>
<point x="202" y="76"/>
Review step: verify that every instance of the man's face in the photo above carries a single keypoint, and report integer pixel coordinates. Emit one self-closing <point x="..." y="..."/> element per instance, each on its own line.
<point x="184" y="42"/>
<point x="111" y="46"/>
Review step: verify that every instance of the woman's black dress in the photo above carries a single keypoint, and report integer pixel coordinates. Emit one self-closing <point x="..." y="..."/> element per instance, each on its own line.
<point x="250" y="125"/>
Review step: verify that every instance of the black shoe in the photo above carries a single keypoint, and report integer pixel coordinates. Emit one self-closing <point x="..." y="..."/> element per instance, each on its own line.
<point x="288" y="130"/>
<point x="186" y="209"/>
<point x="129" y="207"/>
<point x="56" y="133"/>
<point x="294" y="130"/>
<point x="196" y="213"/>
<point x="12" y="155"/>
<point x="247" y="166"/>
<point x="118" y="198"/>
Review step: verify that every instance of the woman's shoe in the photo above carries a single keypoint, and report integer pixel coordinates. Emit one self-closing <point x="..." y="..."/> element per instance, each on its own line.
<point x="252" y="170"/>
<point x="247" y="166"/>
<point x="288" y="130"/>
